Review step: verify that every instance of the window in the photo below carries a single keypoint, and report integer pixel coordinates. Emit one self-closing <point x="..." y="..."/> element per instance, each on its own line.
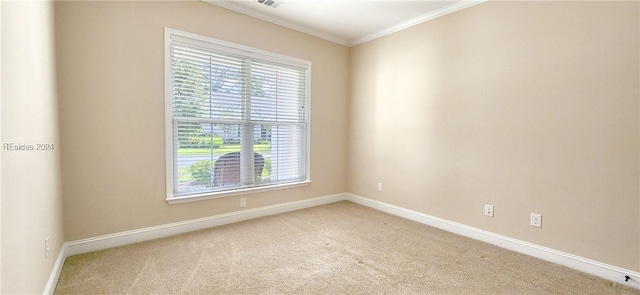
<point x="236" y="118"/>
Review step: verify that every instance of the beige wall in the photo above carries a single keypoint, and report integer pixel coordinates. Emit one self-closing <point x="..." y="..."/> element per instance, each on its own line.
<point x="0" y="152"/>
<point x="531" y="107"/>
<point x="31" y="198"/>
<point x="111" y="87"/>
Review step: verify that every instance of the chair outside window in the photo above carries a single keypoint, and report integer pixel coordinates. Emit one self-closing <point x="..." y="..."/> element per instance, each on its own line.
<point x="226" y="170"/>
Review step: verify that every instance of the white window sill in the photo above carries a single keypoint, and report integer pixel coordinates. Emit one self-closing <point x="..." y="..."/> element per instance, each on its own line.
<point x="236" y="192"/>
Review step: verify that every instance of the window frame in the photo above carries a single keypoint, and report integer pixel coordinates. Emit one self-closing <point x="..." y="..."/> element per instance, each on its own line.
<point x="247" y="52"/>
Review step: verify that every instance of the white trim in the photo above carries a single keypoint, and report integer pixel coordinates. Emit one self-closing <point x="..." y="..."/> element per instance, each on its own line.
<point x="457" y="6"/>
<point x="55" y="272"/>
<point x="236" y="192"/>
<point x="168" y="115"/>
<point x="603" y="270"/>
<point x="166" y="230"/>
<point x="308" y="131"/>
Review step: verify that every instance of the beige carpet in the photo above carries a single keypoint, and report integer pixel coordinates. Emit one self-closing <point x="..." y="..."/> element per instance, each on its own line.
<point x="341" y="248"/>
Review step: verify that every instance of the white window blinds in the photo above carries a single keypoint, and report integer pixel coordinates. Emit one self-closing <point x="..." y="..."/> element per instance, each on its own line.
<point x="238" y="117"/>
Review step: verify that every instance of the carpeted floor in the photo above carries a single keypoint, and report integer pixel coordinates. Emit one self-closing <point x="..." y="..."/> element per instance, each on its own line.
<point x="340" y="248"/>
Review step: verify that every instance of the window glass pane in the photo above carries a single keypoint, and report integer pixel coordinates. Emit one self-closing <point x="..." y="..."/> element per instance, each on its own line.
<point x="206" y="85"/>
<point x="262" y="147"/>
<point x="284" y="153"/>
<point x="199" y="146"/>
<point x="278" y="93"/>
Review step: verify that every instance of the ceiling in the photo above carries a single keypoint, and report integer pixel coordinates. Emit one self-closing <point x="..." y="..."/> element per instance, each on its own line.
<point x="347" y="22"/>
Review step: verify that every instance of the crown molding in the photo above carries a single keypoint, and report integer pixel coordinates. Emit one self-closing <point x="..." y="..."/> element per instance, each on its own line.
<point x="457" y="6"/>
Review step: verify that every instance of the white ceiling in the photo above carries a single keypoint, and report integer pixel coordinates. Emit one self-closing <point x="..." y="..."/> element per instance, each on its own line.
<point x="347" y="22"/>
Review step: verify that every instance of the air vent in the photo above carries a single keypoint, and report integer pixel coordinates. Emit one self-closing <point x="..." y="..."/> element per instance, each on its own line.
<point x="270" y="3"/>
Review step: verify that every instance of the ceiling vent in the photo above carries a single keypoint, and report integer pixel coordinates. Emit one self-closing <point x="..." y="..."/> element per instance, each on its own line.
<point x="270" y="3"/>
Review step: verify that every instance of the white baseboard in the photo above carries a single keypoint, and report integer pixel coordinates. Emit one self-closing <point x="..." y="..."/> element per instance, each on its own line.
<point x="166" y="230"/>
<point x="596" y="268"/>
<point x="55" y="273"/>
<point x="603" y="270"/>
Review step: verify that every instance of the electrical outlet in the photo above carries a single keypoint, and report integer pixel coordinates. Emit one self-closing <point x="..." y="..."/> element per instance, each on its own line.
<point x="243" y="202"/>
<point x="46" y="248"/>
<point x="379" y="186"/>
<point x="536" y="220"/>
<point x="488" y="210"/>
